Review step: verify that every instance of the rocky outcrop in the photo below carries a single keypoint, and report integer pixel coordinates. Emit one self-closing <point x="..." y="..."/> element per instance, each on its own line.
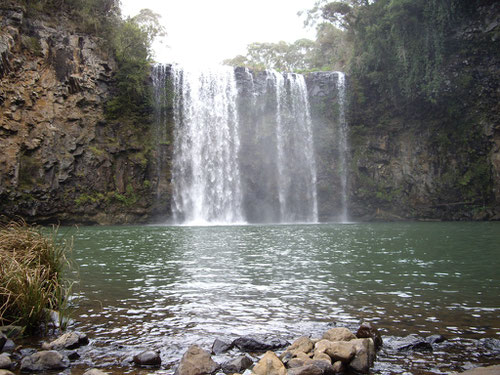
<point x="43" y="361"/>
<point x="61" y="159"/>
<point x="429" y="160"/>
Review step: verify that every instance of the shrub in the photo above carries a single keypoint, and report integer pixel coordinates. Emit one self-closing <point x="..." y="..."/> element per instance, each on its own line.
<point x="31" y="275"/>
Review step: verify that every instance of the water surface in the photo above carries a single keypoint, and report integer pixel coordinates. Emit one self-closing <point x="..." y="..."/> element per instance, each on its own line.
<point x="168" y="287"/>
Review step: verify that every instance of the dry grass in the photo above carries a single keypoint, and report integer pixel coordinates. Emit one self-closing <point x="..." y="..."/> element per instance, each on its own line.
<point x="31" y="274"/>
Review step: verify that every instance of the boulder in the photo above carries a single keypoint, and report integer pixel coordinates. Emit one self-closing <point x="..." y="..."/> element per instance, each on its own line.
<point x="342" y="351"/>
<point x="196" y="361"/>
<point x="70" y="340"/>
<point x="364" y="355"/>
<point x="411" y="342"/>
<point x="5" y="362"/>
<point x="303" y="344"/>
<point x="294" y="362"/>
<point x="250" y="344"/>
<point x="338" y="334"/>
<point x="309" y="369"/>
<point x="269" y="364"/>
<point x="219" y="347"/>
<point x="6" y="372"/>
<point x="94" y="371"/>
<point x="237" y="365"/>
<point x="322" y="357"/>
<point x="338" y="367"/>
<point x="147" y="358"/>
<point x="43" y="361"/>
<point x="369" y="331"/>
<point x="325" y="366"/>
<point x="9" y="346"/>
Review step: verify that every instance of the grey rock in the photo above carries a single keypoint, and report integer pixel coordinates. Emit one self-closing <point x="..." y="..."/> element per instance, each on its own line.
<point x="338" y="334"/>
<point x="5" y="362"/>
<point x="250" y="344"/>
<point x="435" y="339"/>
<point x="94" y="371"/>
<point x="364" y="357"/>
<point x="70" y="340"/>
<point x="9" y="346"/>
<point x="237" y="365"/>
<point x="6" y="372"/>
<point x="147" y="358"/>
<point x="44" y="360"/>
<point x="3" y="340"/>
<point x="220" y="346"/>
<point x="489" y="370"/>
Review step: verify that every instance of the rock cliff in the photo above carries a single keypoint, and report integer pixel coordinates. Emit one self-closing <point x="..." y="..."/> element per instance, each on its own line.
<point x="61" y="160"/>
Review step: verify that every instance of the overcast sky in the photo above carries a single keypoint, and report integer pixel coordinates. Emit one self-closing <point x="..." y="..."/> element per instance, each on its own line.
<point x="209" y="31"/>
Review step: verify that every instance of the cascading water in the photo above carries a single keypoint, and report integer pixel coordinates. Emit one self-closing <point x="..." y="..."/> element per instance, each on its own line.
<point x="342" y="144"/>
<point x="205" y="173"/>
<point x="243" y="146"/>
<point x="296" y="164"/>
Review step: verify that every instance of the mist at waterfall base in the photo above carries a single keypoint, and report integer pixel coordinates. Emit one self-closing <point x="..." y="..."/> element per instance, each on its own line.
<point x="243" y="145"/>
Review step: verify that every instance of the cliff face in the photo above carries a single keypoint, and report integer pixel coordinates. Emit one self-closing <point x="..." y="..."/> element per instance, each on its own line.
<point x="60" y="159"/>
<point x="433" y="160"/>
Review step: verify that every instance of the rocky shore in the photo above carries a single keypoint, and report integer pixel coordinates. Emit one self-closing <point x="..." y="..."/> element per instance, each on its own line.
<point x="338" y="351"/>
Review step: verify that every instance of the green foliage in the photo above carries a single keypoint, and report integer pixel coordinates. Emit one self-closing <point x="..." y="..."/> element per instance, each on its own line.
<point x="132" y="41"/>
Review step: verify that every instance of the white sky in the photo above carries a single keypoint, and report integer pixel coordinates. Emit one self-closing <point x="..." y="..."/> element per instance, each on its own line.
<point x="209" y="31"/>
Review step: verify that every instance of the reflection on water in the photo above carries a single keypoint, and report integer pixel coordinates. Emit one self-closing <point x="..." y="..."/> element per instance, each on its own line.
<point x="169" y="287"/>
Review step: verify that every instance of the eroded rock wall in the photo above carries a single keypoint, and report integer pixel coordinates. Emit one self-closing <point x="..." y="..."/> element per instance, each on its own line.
<point x="61" y="160"/>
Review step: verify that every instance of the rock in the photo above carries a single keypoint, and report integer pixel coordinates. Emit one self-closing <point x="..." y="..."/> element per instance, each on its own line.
<point x="70" y="340"/>
<point x="270" y="364"/>
<point x="6" y="372"/>
<point x="94" y="371"/>
<point x="367" y="330"/>
<point x="302" y="344"/>
<point x="72" y="355"/>
<point x="489" y="370"/>
<point x="294" y="362"/>
<point x="435" y="339"/>
<point x="309" y="369"/>
<point x="44" y="360"/>
<point x="196" y="361"/>
<point x="147" y="358"/>
<point x="325" y="366"/>
<point x="338" y="367"/>
<point x="5" y="362"/>
<point x="219" y="347"/>
<point x="411" y="342"/>
<point x="9" y="346"/>
<point x="237" y="365"/>
<point x="322" y="357"/>
<point x="338" y="334"/>
<point x="249" y="344"/>
<point x="341" y="351"/>
<point x="364" y="357"/>
<point x="3" y="340"/>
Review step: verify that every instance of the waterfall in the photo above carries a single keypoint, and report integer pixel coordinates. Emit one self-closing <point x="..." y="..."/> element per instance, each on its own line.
<point x="205" y="173"/>
<point x="242" y="146"/>
<point x="342" y="145"/>
<point x="296" y="164"/>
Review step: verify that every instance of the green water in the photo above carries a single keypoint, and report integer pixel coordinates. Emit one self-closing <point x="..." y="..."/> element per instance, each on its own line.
<point x="162" y="285"/>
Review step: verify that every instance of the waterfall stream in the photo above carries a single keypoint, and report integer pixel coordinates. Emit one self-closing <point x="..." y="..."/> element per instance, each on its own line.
<point x="342" y="145"/>
<point x="242" y="146"/>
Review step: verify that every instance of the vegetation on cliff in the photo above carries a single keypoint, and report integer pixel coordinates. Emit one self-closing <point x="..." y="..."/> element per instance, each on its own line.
<point x="32" y="282"/>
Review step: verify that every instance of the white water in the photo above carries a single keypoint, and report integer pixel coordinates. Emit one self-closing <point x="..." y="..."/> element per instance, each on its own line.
<point x="343" y="146"/>
<point x="206" y="162"/>
<point x="205" y="173"/>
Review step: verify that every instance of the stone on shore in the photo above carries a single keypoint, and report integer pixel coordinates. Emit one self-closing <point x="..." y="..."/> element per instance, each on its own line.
<point x="250" y="344"/>
<point x="5" y="362"/>
<point x="369" y="331"/>
<point x="219" y="347"/>
<point x="309" y="369"/>
<point x="364" y="357"/>
<point x="303" y="344"/>
<point x="94" y="371"/>
<point x="196" y="361"/>
<point x="44" y="360"/>
<point x="237" y="365"/>
<point x="3" y="340"/>
<point x="147" y="358"/>
<point x="6" y="372"/>
<point x="270" y="364"/>
<point x="338" y="334"/>
<point x="70" y="340"/>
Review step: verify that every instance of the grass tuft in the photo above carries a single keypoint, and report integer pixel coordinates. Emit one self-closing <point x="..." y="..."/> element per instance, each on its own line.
<point x="31" y="274"/>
